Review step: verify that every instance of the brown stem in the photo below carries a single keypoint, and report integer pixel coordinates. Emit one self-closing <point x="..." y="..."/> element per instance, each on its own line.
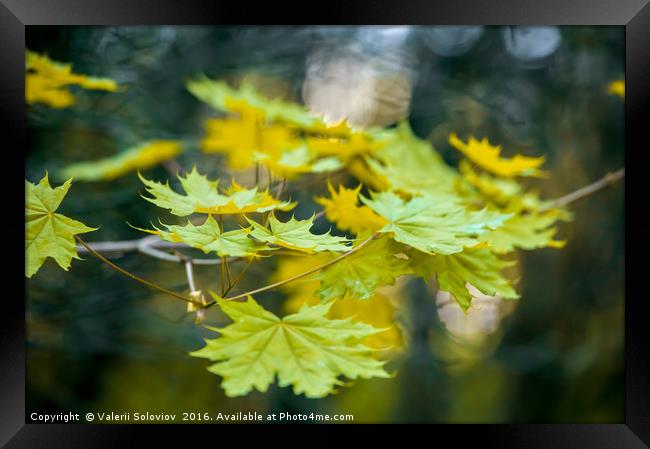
<point x="133" y="276"/>
<point x="239" y="276"/>
<point x="606" y="181"/>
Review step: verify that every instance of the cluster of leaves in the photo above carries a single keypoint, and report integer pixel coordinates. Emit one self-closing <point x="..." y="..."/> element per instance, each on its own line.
<point x="417" y="216"/>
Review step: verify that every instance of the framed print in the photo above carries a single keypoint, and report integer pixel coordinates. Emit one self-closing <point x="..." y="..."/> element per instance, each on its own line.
<point x="381" y="214"/>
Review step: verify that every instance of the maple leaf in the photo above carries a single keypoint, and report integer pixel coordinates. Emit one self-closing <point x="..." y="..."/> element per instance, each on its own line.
<point x="408" y="164"/>
<point x="359" y="168"/>
<point x="46" y="81"/>
<point x="294" y="234"/>
<point x="361" y="273"/>
<point x="141" y="156"/>
<point x="305" y="350"/>
<point x="505" y="193"/>
<point x="343" y="209"/>
<point x="487" y="157"/>
<point x="222" y="97"/>
<point x="203" y="196"/>
<point x="377" y="311"/>
<point x="208" y="237"/>
<point x="433" y="223"/>
<point x="345" y="147"/>
<point x="479" y="267"/>
<point x="245" y="140"/>
<point x="49" y="234"/>
<point x="526" y="232"/>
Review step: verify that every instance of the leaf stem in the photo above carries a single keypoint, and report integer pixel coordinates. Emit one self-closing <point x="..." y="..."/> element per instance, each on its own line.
<point x="239" y="276"/>
<point x="301" y="275"/>
<point x="133" y="276"/>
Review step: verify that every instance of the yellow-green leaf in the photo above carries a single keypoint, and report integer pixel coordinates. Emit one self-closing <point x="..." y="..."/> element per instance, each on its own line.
<point x="487" y="157"/>
<point x="209" y="238"/>
<point x="433" y="224"/>
<point x="139" y="157"/>
<point x="295" y="234"/>
<point x="49" y="234"/>
<point x="411" y="165"/>
<point x="506" y="193"/>
<point x="359" y="274"/>
<point x="525" y="232"/>
<point x="222" y="97"/>
<point x="305" y="350"/>
<point x="479" y="267"/>
<point x="203" y="196"/>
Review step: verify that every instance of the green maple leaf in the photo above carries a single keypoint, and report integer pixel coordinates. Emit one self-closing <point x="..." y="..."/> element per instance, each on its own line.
<point x="209" y="238"/>
<point x="295" y="234"/>
<point x="410" y="164"/>
<point x="49" y="234"/>
<point x="526" y="232"/>
<point x="305" y="350"/>
<point x="218" y="94"/>
<point x="203" y="196"/>
<point x="362" y="272"/>
<point x="433" y="223"/>
<point x="477" y="266"/>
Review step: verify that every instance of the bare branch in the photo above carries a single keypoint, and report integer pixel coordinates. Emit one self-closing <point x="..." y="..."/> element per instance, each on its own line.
<point x="606" y="181"/>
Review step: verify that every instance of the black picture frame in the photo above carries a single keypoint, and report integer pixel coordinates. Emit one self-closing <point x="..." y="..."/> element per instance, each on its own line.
<point x="633" y="14"/>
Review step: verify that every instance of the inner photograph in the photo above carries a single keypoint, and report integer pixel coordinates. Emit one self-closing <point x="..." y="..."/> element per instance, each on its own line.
<point x="313" y="224"/>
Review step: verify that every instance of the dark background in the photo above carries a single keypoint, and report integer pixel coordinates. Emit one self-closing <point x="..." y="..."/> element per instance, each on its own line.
<point x="98" y="341"/>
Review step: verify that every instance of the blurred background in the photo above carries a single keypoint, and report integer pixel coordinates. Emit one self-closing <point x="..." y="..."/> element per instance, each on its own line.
<point x="99" y="341"/>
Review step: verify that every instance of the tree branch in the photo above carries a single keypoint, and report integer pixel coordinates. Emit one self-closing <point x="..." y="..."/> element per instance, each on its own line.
<point x="606" y="181"/>
<point x="147" y="246"/>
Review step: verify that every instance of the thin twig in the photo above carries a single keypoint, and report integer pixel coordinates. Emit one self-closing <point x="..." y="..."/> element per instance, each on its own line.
<point x="606" y="181"/>
<point x="239" y="276"/>
<point x="301" y="275"/>
<point x="133" y="276"/>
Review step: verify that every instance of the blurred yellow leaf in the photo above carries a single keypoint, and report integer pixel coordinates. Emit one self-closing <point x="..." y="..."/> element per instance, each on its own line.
<point x="617" y="88"/>
<point x="343" y="209"/>
<point x="47" y="81"/>
<point x="139" y="157"/>
<point x="487" y="157"/>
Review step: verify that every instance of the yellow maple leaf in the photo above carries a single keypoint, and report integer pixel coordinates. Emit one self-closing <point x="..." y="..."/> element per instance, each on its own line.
<point x="485" y="155"/>
<point x="343" y="209"/>
<point x="358" y="168"/>
<point x="47" y="81"/>
<point x="353" y="145"/>
<point x="246" y="140"/>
